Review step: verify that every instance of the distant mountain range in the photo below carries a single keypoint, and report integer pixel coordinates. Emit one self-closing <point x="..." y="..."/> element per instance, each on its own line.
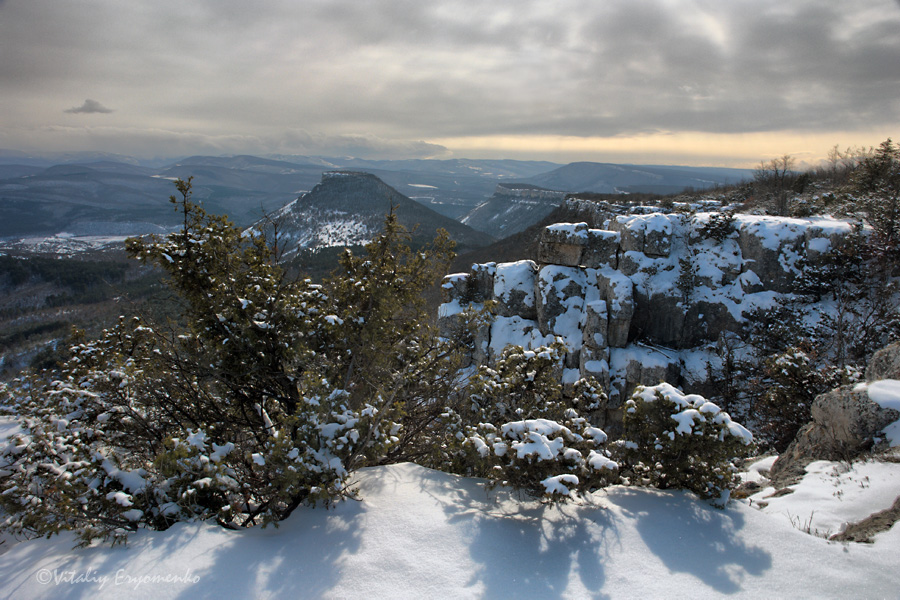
<point x="107" y="194"/>
<point x="623" y="179"/>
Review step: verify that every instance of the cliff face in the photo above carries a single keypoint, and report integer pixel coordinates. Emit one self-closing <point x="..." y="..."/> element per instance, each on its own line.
<point x="643" y="300"/>
<point x="513" y="208"/>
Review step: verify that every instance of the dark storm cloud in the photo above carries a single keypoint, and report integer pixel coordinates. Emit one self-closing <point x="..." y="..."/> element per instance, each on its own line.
<point x="89" y="106"/>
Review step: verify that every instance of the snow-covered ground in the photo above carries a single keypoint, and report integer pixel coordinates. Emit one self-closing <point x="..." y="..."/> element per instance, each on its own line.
<point x="418" y="533"/>
<point x="62" y="244"/>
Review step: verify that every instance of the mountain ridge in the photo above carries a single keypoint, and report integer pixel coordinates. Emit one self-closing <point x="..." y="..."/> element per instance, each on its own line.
<point x="348" y="208"/>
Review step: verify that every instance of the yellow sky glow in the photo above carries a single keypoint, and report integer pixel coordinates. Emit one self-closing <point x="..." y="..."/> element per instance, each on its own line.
<point x="743" y="150"/>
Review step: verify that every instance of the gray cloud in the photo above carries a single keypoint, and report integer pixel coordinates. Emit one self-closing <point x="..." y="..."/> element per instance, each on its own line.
<point x="378" y="76"/>
<point x="89" y="106"/>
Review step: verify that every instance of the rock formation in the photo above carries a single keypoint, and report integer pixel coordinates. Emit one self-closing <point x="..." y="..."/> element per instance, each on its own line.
<point x="641" y="298"/>
<point x="849" y="420"/>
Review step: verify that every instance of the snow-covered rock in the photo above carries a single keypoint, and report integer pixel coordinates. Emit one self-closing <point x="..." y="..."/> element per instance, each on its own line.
<point x="661" y="279"/>
<point x="849" y="420"/>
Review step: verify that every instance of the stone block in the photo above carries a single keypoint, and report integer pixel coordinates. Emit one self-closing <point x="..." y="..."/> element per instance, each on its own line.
<point x="601" y="249"/>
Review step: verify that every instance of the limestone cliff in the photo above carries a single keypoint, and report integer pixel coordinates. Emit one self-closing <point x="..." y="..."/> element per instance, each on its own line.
<point x="643" y="299"/>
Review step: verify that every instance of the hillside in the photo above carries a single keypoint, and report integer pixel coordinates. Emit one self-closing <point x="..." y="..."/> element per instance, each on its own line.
<point x="621" y="179"/>
<point x="512" y="208"/>
<point x="347" y="208"/>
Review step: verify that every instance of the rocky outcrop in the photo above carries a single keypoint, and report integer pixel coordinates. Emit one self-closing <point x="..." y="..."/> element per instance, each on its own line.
<point x="642" y="298"/>
<point x="849" y="420"/>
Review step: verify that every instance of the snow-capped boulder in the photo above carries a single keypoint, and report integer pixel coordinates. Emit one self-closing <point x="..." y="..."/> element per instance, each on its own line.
<point x="600" y="249"/>
<point x="560" y="305"/>
<point x="594" y="362"/>
<point x="561" y="244"/>
<point x="595" y="328"/>
<point x="454" y="287"/>
<point x="618" y="291"/>
<point x="849" y="420"/>
<point x="481" y="282"/>
<point x="649" y="234"/>
<point x="771" y="247"/>
<point x="514" y="289"/>
<point x="640" y="365"/>
<point x="884" y="364"/>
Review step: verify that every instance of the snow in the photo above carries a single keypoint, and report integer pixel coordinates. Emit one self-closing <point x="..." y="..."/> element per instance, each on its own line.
<point x="418" y="533"/>
<point x="569" y="230"/>
<point x="886" y="393"/>
<point x="516" y="331"/>
<point x="833" y="494"/>
<point x="656" y="222"/>
<point x="820" y="245"/>
<point x="448" y="309"/>
<point x="773" y="232"/>
<point x="515" y="277"/>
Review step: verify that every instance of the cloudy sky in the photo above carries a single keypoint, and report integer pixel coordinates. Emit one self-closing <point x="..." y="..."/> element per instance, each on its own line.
<point x="708" y="82"/>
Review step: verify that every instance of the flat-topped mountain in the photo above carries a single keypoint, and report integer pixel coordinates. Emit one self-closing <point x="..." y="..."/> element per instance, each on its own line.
<point x="348" y="208"/>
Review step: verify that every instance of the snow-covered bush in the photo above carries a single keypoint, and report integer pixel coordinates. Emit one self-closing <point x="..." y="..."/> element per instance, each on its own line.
<point x="518" y="428"/>
<point x="267" y="397"/>
<point x="673" y="440"/>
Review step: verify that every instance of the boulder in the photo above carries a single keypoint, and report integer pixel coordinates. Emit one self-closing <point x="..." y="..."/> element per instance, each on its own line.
<point x="650" y="234"/>
<point x="595" y="331"/>
<point x="618" y="291"/>
<point x="481" y="282"/>
<point x="454" y="287"/>
<point x="560" y="296"/>
<point x="631" y="236"/>
<point x="657" y="235"/>
<point x="600" y="249"/>
<point x="594" y="362"/>
<point x="562" y="243"/>
<point x="846" y="421"/>
<point x="771" y="247"/>
<point x="884" y="364"/>
<point x="514" y="285"/>
<point x="640" y="365"/>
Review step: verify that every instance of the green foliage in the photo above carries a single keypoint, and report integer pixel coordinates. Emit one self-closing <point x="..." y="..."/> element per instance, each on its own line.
<point x="517" y="427"/>
<point x="674" y="440"/>
<point x="863" y="313"/>
<point x="265" y="394"/>
<point x="719" y="227"/>
<point x="687" y="277"/>
<point x="876" y="181"/>
<point x="790" y="382"/>
<point x="78" y="275"/>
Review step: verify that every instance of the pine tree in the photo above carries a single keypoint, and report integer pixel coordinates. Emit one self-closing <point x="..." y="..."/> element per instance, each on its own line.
<point x="877" y="181"/>
<point x="264" y="395"/>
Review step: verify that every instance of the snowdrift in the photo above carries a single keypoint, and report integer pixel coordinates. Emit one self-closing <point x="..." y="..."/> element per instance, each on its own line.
<point x="418" y="533"/>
